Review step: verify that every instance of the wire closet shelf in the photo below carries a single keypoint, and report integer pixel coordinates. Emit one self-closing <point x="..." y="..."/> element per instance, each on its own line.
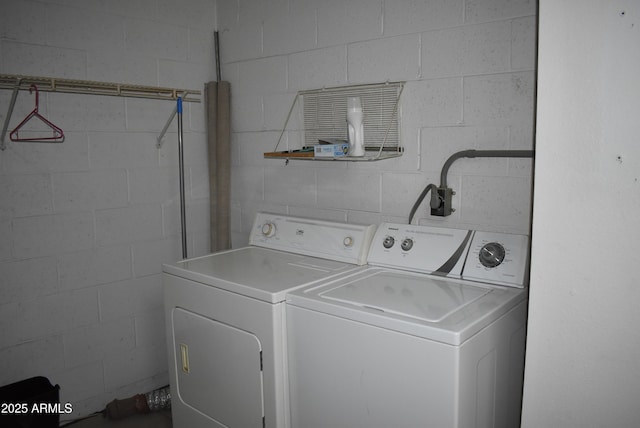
<point x="322" y="114"/>
<point x="18" y="83"/>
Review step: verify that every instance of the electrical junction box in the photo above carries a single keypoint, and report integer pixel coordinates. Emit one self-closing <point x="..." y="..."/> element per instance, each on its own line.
<point x="444" y="209"/>
<point x="331" y="150"/>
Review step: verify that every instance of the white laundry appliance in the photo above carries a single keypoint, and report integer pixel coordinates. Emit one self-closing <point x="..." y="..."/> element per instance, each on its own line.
<point x="430" y="334"/>
<point x="225" y="318"/>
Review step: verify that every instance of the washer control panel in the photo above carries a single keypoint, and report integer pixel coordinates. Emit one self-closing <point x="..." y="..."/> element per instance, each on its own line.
<point x="422" y="249"/>
<point x="491" y="257"/>
<point x="318" y="238"/>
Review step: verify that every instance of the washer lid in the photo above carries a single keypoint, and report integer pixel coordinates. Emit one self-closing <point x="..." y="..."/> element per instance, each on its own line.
<point x="443" y="309"/>
<point x="414" y="297"/>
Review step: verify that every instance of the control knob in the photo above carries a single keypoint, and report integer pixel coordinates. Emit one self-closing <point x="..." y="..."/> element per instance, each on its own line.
<point x="492" y="254"/>
<point x="388" y="242"/>
<point x="348" y="241"/>
<point x="268" y="229"/>
<point x="407" y="244"/>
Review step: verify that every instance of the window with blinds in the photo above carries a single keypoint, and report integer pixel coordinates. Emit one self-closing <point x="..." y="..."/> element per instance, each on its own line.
<point x="325" y="112"/>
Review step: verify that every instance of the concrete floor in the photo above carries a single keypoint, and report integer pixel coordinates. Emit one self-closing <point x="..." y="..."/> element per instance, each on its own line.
<point x="160" y="419"/>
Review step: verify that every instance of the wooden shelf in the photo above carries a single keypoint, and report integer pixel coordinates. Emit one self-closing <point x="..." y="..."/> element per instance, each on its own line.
<point x="369" y="156"/>
<point x="293" y="154"/>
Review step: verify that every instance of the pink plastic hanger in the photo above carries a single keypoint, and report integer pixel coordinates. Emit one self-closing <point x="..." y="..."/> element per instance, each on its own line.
<point x="58" y="134"/>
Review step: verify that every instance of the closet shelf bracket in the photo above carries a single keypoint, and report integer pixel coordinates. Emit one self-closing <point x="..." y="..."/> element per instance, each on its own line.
<point x="159" y="141"/>
<point x="7" y="118"/>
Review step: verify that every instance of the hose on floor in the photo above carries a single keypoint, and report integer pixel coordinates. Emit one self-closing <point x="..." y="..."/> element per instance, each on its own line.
<point x="152" y="401"/>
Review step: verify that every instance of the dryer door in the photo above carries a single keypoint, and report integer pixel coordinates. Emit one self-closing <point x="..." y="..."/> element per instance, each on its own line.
<point x="218" y="369"/>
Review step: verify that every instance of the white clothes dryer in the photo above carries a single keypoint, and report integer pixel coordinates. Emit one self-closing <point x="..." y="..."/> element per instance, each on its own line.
<point x="430" y="334"/>
<point x="225" y="318"/>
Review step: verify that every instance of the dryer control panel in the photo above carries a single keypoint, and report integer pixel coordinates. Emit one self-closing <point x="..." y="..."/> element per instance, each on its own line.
<point x="311" y="237"/>
<point x="490" y="257"/>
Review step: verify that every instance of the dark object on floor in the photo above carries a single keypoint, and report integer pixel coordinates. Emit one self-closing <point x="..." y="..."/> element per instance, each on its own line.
<point x="161" y="419"/>
<point x="118" y="409"/>
<point x="30" y="403"/>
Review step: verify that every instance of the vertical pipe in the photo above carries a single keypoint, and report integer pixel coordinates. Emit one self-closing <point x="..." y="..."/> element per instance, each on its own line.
<point x="216" y="41"/>
<point x="181" y="164"/>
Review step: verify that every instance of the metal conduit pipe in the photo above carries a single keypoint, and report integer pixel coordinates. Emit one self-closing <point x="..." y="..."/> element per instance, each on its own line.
<point x="481" y="154"/>
<point x="441" y="196"/>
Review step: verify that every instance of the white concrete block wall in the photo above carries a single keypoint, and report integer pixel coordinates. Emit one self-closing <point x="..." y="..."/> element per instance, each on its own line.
<point x="90" y="221"/>
<point x="470" y="72"/>
<point x="86" y="225"/>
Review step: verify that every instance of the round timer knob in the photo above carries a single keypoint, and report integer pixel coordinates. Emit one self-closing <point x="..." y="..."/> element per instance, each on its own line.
<point x="348" y="241"/>
<point x="268" y="229"/>
<point x="492" y="254"/>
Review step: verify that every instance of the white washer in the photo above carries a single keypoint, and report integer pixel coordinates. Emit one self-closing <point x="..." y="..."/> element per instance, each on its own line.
<point x="225" y="316"/>
<point x="430" y="334"/>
